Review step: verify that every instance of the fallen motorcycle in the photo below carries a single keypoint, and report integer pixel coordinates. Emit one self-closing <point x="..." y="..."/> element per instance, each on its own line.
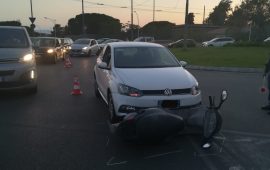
<point x="156" y="124"/>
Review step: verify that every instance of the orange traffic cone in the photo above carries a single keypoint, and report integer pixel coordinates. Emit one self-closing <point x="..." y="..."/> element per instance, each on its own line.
<point x="67" y="62"/>
<point x="76" y="87"/>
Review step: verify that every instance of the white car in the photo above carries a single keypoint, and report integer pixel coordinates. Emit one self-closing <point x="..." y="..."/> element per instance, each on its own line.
<point x="218" y="42"/>
<point x="267" y="39"/>
<point x="130" y="76"/>
<point x="84" y="47"/>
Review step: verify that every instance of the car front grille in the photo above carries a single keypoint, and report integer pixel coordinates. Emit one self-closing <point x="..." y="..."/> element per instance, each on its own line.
<point x="161" y="92"/>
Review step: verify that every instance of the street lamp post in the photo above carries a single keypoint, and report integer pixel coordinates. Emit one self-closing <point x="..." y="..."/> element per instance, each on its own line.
<point x="138" y="22"/>
<point x="83" y="24"/>
<point x="186" y="25"/>
<point x="154" y="9"/>
<point x="54" y="23"/>
<point x="131" y="20"/>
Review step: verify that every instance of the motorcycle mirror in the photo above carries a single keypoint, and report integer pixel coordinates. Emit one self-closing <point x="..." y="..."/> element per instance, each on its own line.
<point x="224" y="95"/>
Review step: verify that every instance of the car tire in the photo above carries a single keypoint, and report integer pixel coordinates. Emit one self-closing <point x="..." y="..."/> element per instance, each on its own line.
<point x="97" y="94"/>
<point x="53" y="59"/>
<point x="112" y="117"/>
<point x="33" y="90"/>
<point x="89" y="53"/>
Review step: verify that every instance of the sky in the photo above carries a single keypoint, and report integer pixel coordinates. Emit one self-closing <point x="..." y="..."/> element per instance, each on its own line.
<point x="62" y="10"/>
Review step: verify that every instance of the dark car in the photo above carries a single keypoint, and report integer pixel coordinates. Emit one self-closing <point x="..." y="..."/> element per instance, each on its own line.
<point x="104" y="43"/>
<point x="180" y="43"/>
<point x="101" y="40"/>
<point x="48" y="49"/>
<point x="66" y="44"/>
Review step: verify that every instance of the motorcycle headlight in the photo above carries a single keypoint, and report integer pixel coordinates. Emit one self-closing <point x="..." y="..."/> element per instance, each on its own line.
<point x="129" y="91"/>
<point x="27" y="58"/>
<point x="195" y="90"/>
<point x="50" y="51"/>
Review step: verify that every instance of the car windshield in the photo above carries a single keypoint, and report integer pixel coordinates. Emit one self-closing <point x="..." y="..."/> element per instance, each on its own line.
<point x="81" y="41"/>
<point x="44" y="42"/>
<point x="144" y="57"/>
<point x="13" y="38"/>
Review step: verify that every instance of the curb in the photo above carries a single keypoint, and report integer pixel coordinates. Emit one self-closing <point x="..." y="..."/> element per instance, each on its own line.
<point x="225" y="69"/>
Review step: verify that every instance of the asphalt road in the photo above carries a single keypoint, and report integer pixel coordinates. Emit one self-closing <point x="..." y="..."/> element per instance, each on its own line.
<point x="55" y="130"/>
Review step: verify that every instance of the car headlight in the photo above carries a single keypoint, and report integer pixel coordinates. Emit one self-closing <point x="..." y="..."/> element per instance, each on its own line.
<point x="27" y="58"/>
<point x="84" y="48"/>
<point x="129" y="91"/>
<point x="195" y="90"/>
<point x="69" y="48"/>
<point x="50" y="51"/>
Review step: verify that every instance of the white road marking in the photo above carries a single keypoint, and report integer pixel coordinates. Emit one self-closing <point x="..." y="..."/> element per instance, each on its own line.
<point x="162" y="154"/>
<point x="109" y="163"/>
<point x="246" y="133"/>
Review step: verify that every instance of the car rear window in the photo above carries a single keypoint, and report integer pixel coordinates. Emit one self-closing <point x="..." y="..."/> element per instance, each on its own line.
<point x="13" y="38"/>
<point x="80" y="41"/>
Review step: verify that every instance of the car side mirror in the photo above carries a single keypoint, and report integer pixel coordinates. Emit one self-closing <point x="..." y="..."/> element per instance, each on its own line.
<point x="103" y="65"/>
<point x="223" y="98"/>
<point x="183" y="63"/>
<point x="224" y="95"/>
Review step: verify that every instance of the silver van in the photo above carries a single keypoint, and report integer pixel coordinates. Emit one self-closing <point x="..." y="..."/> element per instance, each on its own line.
<point x="17" y="60"/>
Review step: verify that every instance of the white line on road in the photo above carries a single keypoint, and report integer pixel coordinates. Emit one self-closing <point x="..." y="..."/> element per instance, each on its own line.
<point x="246" y="133"/>
<point x="109" y="163"/>
<point x="162" y="154"/>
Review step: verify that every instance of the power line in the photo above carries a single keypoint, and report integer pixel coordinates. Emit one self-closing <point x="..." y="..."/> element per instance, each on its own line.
<point x="138" y="9"/>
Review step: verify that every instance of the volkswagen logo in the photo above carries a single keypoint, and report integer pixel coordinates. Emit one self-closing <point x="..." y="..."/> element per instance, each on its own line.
<point x="167" y="92"/>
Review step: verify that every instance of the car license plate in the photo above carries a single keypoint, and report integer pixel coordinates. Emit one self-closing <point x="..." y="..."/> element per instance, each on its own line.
<point x="170" y="104"/>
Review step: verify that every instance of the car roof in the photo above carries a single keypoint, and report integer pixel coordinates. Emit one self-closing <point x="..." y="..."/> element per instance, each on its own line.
<point x="13" y="27"/>
<point x="46" y="37"/>
<point x="85" y="39"/>
<point x="133" y="44"/>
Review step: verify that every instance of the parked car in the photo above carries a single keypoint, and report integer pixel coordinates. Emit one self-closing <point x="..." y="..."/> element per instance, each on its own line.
<point x="145" y="39"/>
<point x="101" y="40"/>
<point x="66" y="44"/>
<point x="218" y="42"/>
<point x="180" y="43"/>
<point x="84" y="47"/>
<point x="17" y="60"/>
<point x="102" y="45"/>
<point x="48" y="49"/>
<point x="267" y="39"/>
<point x="131" y="76"/>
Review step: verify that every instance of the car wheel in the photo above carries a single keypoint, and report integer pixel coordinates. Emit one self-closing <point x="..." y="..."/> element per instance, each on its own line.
<point x="112" y="117"/>
<point x="89" y="53"/>
<point x="33" y="90"/>
<point x="97" y="94"/>
<point x="53" y="59"/>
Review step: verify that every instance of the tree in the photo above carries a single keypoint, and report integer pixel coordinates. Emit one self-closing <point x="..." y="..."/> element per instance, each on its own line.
<point x="158" y="29"/>
<point x="190" y="18"/>
<point x="220" y="13"/>
<point x="98" y="24"/>
<point x="251" y="13"/>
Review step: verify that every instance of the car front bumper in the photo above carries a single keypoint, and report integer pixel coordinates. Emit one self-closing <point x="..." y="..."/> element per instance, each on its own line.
<point x="126" y="104"/>
<point x="17" y="76"/>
